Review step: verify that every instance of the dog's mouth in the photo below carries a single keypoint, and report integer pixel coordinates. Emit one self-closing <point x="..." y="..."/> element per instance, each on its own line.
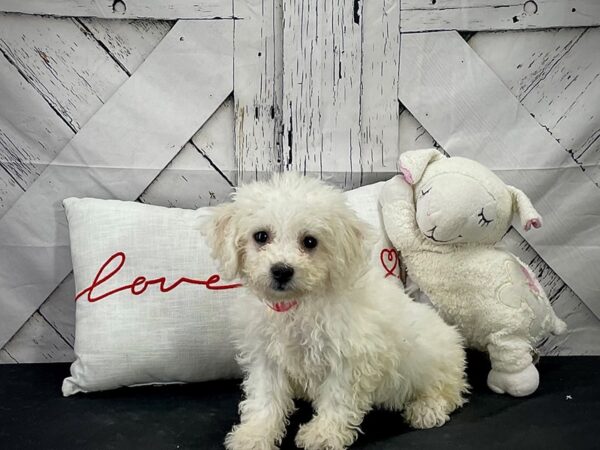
<point x="283" y="306"/>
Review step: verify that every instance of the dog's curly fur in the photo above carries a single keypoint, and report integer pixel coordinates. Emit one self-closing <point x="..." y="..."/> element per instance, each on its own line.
<point x="347" y="341"/>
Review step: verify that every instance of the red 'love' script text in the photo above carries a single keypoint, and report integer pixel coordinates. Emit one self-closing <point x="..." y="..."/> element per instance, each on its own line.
<point x="139" y="284"/>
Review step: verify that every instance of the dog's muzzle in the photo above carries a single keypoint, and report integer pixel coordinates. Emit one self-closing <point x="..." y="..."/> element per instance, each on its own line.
<point x="281" y="274"/>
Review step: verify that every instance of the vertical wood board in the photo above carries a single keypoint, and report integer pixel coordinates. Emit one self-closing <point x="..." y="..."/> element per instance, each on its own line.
<point x="322" y="85"/>
<point x="258" y="68"/>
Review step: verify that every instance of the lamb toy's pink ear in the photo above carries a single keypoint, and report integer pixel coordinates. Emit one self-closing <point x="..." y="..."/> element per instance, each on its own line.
<point x="527" y="213"/>
<point x="414" y="163"/>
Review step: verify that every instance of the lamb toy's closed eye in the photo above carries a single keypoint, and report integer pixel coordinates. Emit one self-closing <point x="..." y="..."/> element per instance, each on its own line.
<point x="445" y="215"/>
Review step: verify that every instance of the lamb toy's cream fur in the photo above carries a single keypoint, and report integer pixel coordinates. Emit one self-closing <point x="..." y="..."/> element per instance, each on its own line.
<point x="445" y="215"/>
<point x="328" y="328"/>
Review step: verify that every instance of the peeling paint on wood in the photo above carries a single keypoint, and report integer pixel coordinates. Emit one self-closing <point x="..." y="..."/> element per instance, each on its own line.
<point x="562" y="89"/>
<point x="129" y="42"/>
<point x="123" y="9"/>
<point x="258" y="68"/>
<point x="201" y="173"/>
<point x="39" y="343"/>
<point x="478" y="15"/>
<point x="322" y="77"/>
<point x="63" y="63"/>
<point x="379" y="105"/>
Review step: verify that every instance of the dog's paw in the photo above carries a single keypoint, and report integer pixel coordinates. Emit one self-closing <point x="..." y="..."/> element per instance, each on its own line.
<point x="321" y="435"/>
<point x="247" y="437"/>
<point x="426" y="413"/>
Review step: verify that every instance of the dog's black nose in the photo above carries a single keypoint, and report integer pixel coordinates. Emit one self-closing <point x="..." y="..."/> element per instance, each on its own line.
<point x="282" y="273"/>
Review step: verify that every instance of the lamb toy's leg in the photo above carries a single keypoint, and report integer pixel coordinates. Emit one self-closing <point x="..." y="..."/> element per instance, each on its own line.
<point x="512" y="371"/>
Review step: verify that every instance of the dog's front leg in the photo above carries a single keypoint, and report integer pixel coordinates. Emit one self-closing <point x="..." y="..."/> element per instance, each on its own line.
<point x="265" y="409"/>
<point x="339" y="410"/>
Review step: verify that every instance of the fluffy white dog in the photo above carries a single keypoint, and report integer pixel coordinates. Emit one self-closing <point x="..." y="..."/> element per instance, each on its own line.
<point x="327" y="328"/>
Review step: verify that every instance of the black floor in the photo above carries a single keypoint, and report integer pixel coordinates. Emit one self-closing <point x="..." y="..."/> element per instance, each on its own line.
<point x="563" y="414"/>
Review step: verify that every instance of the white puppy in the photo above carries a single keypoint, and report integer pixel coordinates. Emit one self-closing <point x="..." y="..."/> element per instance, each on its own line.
<point x="327" y="328"/>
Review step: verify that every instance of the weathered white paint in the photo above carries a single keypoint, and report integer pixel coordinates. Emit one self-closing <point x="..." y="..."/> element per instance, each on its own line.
<point x="477" y="15"/>
<point x="322" y="76"/>
<point x="64" y="64"/>
<point x="127" y="41"/>
<point x="379" y="106"/>
<point x="258" y="55"/>
<point x="122" y="42"/>
<point x="122" y="9"/>
<point x="31" y="133"/>
<point x="39" y="343"/>
<point x="563" y="88"/>
<point x="201" y="173"/>
<point x="452" y="101"/>
<point x="117" y="154"/>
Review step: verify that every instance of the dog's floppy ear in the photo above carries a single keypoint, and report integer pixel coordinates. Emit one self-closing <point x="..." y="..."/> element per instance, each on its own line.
<point x="414" y="163"/>
<point x="221" y="232"/>
<point x="354" y="238"/>
<point x="523" y="206"/>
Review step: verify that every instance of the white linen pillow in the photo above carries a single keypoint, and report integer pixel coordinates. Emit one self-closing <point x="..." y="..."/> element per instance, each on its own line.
<point x="137" y="320"/>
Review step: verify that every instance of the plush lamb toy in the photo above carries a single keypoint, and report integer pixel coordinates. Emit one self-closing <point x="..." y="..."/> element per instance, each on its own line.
<point x="445" y="215"/>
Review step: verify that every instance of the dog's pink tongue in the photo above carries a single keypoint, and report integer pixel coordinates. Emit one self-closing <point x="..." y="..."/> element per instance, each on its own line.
<point x="283" y="306"/>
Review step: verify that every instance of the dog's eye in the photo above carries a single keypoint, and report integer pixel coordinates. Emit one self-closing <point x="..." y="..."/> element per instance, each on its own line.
<point x="309" y="242"/>
<point x="261" y="237"/>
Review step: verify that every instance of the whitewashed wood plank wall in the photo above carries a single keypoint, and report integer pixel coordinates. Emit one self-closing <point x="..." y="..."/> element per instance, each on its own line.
<point x="327" y="105"/>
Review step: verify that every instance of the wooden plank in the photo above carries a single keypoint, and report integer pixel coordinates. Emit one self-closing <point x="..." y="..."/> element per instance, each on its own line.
<point x="117" y="154"/>
<point x="478" y="15"/>
<point x="122" y="9"/>
<point x="452" y="101"/>
<point x="31" y="129"/>
<point x="39" y="343"/>
<point x="379" y="106"/>
<point x="30" y="134"/>
<point x="322" y="77"/>
<point x="200" y="175"/>
<point x="562" y="89"/>
<point x="129" y="42"/>
<point x="62" y="62"/>
<point x="5" y="357"/>
<point x="258" y="66"/>
<point x="38" y="80"/>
